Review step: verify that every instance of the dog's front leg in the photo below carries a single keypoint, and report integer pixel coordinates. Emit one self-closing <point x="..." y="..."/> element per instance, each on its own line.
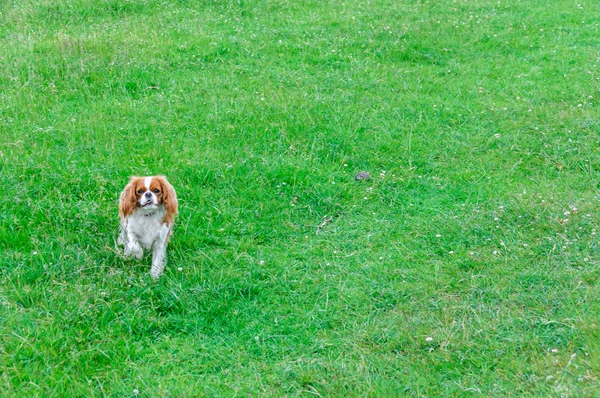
<point x="159" y="253"/>
<point x="132" y="246"/>
<point x="159" y="259"/>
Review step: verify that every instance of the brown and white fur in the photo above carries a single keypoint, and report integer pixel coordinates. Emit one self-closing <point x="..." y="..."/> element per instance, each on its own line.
<point x="147" y="209"/>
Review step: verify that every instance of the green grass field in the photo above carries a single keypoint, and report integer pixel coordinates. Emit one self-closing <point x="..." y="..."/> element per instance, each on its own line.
<point x="467" y="265"/>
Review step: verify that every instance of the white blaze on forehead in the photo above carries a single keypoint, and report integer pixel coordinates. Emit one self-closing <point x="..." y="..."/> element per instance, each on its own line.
<point x="147" y="182"/>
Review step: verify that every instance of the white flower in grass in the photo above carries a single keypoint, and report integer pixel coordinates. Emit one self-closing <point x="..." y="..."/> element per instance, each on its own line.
<point x="429" y="339"/>
<point x="136" y="392"/>
<point x="554" y="350"/>
<point x="179" y="269"/>
<point x="261" y="262"/>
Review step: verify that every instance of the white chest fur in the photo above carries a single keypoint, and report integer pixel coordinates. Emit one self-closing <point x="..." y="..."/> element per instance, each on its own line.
<point x="147" y="227"/>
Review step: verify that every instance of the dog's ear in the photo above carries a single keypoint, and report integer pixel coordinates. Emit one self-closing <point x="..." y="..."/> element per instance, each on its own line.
<point x="128" y="201"/>
<point x="169" y="199"/>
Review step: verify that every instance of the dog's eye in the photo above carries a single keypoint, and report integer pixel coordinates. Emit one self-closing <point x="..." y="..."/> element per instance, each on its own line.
<point x="140" y="191"/>
<point x="156" y="190"/>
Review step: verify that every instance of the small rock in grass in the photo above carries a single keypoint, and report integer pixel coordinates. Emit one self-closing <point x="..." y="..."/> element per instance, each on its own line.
<point x="363" y="175"/>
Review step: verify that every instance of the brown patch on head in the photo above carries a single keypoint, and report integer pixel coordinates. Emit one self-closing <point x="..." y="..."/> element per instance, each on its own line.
<point x="157" y="189"/>
<point x="130" y="196"/>
<point x="140" y="186"/>
<point x="166" y="196"/>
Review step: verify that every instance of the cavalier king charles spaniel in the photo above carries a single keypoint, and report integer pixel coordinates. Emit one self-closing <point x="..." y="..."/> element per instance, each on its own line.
<point x="147" y="209"/>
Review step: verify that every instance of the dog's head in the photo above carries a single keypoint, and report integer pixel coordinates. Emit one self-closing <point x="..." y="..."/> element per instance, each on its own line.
<point x="148" y="193"/>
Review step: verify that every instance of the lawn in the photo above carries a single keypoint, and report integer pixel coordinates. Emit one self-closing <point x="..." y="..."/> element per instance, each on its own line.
<point x="468" y="264"/>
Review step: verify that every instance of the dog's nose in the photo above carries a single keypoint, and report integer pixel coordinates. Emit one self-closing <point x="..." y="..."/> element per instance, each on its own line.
<point x="148" y="194"/>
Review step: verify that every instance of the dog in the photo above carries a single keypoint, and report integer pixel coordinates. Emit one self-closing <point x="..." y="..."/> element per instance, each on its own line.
<point x="147" y="210"/>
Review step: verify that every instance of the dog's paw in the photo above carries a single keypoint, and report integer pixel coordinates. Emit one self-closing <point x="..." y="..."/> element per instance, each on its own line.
<point x="156" y="273"/>
<point x="158" y="266"/>
<point x="134" y="250"/>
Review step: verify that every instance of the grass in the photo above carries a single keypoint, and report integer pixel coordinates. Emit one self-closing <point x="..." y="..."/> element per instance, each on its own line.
<point x="467" y="265"/>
